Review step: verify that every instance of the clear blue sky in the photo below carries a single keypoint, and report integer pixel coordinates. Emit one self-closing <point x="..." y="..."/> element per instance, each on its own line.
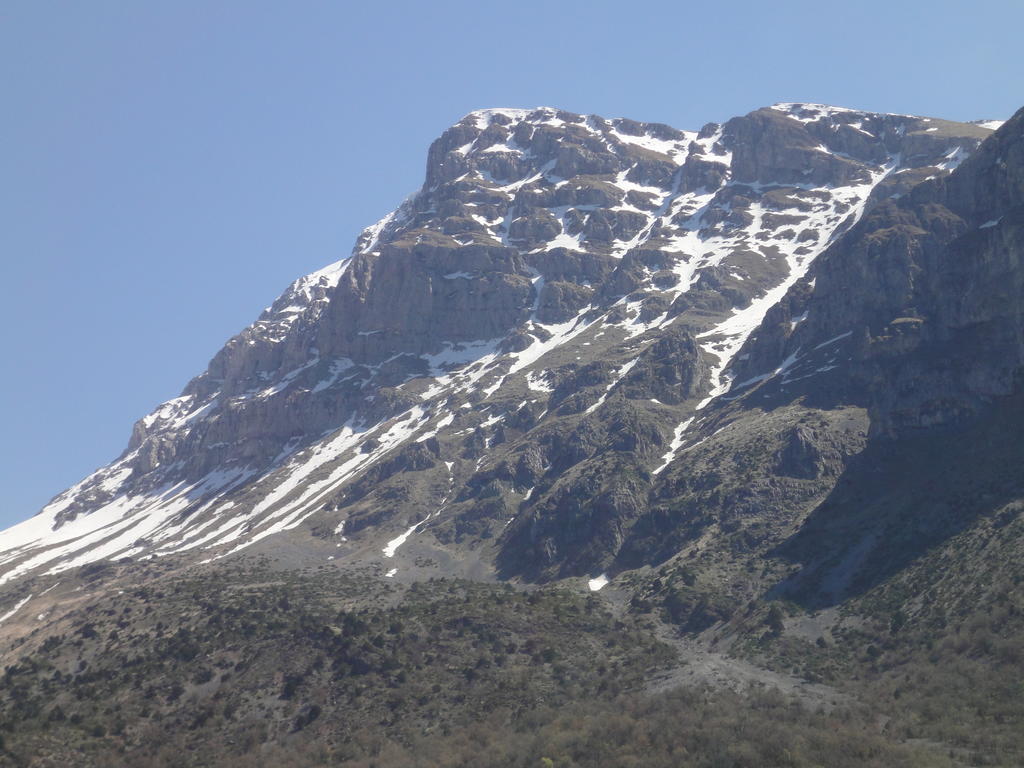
<point x="167" y="168"/>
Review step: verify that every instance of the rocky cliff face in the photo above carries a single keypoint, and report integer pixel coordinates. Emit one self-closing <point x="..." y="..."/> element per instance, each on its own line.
<point x="922" y="298"/>
<point x="529" y="359"/>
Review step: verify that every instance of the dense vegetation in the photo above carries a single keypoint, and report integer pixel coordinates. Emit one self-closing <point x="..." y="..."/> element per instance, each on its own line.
<point x="249" y="657"/>
<point x="249" y="666"/>
<point x="937" y="651"/>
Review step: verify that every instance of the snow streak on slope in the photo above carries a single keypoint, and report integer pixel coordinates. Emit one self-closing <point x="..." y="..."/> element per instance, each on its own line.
<point x="15" y="609"/>
<point x="120" y="528"/>
<point x="726" y="338"/>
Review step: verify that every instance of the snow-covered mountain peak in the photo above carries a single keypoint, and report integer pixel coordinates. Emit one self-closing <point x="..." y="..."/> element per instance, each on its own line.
<point x="536" y="284"/>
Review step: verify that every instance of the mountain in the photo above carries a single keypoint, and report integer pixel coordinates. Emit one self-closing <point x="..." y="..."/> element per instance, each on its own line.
<point x="704" y="444"/>
<point x="565" y="292"/>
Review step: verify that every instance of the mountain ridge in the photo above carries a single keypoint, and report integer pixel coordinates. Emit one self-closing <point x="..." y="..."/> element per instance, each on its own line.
<point x="739" y="414"/>
<point x="596" y="211"/>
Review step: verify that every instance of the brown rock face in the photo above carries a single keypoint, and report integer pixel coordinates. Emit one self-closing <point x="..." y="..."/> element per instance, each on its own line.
<point x="770" y="146"/>
<point x="671" y="370"/>
<point x="410" y="298"/>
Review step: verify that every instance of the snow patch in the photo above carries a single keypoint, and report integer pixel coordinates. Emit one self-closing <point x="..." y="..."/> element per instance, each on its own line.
<point x="597" y="583"/>
<point x="992" y="125"/>
<point x="393" y="545"/>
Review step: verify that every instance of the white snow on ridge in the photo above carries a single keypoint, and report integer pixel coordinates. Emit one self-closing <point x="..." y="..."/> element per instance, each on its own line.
<point x="305" y="297"/>
<point x="809" y="112"/>
<point x="484" y="117"/>
<point x="328" y="276"/>
<point x="167" y="410"/>
<point x="373" y="232"/>
<point x="674" y="148"/>
<point x="992" y="125"/>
